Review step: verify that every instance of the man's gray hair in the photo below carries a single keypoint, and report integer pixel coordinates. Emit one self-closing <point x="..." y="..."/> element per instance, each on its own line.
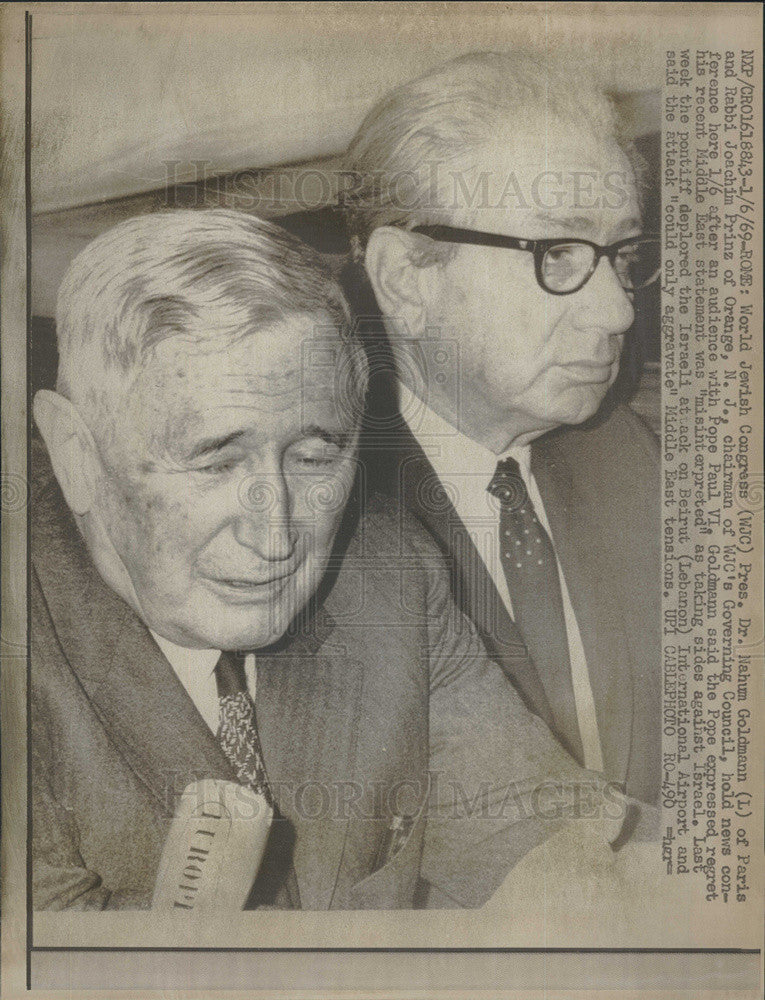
<point x="440" y="118"/>
<point x="208" y="274"/>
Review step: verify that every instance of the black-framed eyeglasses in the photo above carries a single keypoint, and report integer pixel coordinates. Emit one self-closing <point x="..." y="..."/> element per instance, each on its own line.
<point x="563" y="266"/>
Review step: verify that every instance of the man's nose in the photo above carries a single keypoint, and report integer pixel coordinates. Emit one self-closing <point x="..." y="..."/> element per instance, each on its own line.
<point x="604" y="303"/>
<point x="263" y="523"/>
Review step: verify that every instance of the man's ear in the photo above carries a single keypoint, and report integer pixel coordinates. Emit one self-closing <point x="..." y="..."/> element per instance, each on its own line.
<point x="397" y="282"/>
<point x="70" y="446"/>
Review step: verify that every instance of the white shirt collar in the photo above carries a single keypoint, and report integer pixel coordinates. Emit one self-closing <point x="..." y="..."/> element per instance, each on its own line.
<point x="195" y="669"/>
<point x="182" y="660"/>
<point x="447" y="447"/>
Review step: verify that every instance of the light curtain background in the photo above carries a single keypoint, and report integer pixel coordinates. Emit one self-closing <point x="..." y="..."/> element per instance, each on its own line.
<point x="115" y="99"/>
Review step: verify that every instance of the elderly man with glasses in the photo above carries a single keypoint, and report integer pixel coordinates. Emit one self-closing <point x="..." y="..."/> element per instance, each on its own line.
<point x="497" y="212"/>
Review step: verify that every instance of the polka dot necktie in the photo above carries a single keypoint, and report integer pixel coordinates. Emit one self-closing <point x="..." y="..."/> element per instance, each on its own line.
<point x="237" y="732"/>
<point x="531" y="571"/>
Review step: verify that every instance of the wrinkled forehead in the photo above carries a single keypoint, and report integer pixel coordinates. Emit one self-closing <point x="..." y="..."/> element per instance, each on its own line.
<point x="296" y="369"/>
<point x="548" y="177"/>
<point x="271" y="360"/>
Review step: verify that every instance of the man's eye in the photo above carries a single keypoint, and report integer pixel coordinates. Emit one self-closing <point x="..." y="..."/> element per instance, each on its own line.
<point x="563" y="252"/>
<point x="321" y="455"/>
<point x="219" y="467"/>
<point x="314" y="460"/>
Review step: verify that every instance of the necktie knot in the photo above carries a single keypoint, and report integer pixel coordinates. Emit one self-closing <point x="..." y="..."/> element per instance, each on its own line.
<point x="507" y="484"/>
<point x="230" y="677"/>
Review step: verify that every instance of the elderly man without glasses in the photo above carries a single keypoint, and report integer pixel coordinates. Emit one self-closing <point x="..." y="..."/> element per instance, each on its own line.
<point x="218" y="602"/>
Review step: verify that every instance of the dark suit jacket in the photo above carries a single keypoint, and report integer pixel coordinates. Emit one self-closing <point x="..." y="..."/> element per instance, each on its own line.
<point x="384" y="692"/>
<point x="601" y="489"/>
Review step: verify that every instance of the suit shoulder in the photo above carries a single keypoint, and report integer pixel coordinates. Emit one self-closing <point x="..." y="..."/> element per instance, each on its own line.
<point x="615" y="464"/>
<point x="388" y="525"/>
<point x="620" y="439"/>
<point x="625" y="422"/>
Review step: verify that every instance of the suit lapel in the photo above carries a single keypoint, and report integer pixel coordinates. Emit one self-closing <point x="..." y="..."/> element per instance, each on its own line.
<point x="595" y="599"/>
<point x="404" y="467"/>
<point x="307" y="698"/>
<point x="308" y="702"/>
<point x="150" y="718"/>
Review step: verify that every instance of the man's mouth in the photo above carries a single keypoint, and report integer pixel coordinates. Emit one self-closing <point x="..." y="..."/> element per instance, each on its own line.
<point x="590" y="371"/>
<point x="249" y="590"/>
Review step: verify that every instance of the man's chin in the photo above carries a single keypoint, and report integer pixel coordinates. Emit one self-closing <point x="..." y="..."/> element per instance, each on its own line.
<point x="250" y="626"/>
<point x="250" y="637"/>
<point x="224" y="633"/>
<point x="586" y="401"/>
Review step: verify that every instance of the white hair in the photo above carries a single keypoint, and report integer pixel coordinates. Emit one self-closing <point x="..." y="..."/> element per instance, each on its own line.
<point x="201" y="274"/>
<point x="444" y="115"/>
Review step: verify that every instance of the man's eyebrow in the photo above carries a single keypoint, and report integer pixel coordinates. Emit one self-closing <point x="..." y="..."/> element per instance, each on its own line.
<point x="628" y="227"/>
<point x="582" y="225"/>
<point x="575" y="223"/>
<point x="340" y="439"/>
<point x="208" y="446"/>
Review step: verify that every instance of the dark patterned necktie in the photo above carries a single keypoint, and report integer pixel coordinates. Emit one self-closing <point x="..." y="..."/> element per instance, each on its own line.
<point x="531" y="570"/>
<point x="237" y="732"/>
